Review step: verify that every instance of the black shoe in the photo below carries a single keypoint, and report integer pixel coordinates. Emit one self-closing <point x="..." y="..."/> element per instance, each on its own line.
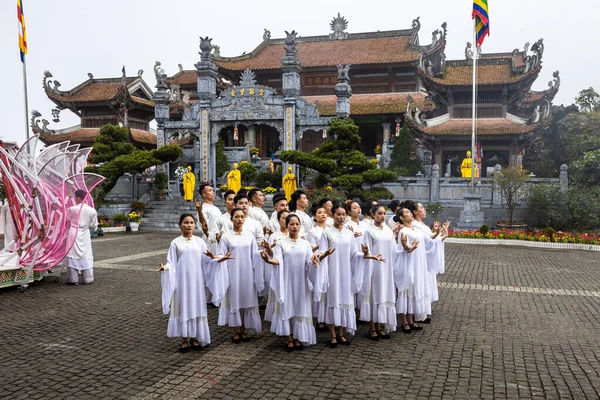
<point x="73" y="283"/>
<point x="298" y="345"/>
<point x="184" y="349"/>
<point x="344" y="342"/>
<point x="414" y="327"/>
<point x="383" y="335"/>
<point x="289" y="348"/>
<point x="333" y="344"/>
<point x="195" y="345"/>
<point x="425" y="321"/>
<point x="406" y="328"/>
<point x="322" y="328"/>
<point x="374" y="338"/>
<point x="236" y="338"/>
<point x="244" y="338"/>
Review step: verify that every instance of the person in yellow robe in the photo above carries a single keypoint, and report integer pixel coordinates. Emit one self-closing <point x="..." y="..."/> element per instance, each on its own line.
<point x="189" y="182"/>
<point x="289" y="184"/>
<point x="234" y="179"/>
<point x="465" y="167"/>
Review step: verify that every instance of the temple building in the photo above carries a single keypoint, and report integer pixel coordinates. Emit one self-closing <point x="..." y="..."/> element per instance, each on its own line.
<point x="281" y="95"/>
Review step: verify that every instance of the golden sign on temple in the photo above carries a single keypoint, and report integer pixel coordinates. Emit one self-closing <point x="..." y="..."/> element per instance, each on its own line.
<point x="246" y="92"/>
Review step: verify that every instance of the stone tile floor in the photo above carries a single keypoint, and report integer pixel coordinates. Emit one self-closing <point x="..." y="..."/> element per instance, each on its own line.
<point x="511" y="323"/>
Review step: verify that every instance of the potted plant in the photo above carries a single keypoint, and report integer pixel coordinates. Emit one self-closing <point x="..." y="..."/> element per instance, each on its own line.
<point x="512" y="184"/>
<point x="134" y="221"/>
<point x="161" y="180"/>
<point x="138" y="207"/>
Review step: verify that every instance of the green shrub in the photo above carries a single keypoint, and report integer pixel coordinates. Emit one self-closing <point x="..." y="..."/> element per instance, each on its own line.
<point x="119" y="219"/>
<point x="248" y="172"/>
<point x="584" y="207"/>
<point x="266" y="179"/>
<point x="484" y="229"/>
<point x="548" y="206"/>
<point x="161" y="180"/>
<point x="434" y="210"/>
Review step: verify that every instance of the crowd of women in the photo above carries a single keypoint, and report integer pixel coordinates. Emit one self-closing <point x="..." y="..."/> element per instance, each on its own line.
<point x="347" y="262"/>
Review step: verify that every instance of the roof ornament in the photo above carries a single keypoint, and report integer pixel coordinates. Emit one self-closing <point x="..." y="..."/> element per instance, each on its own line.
<point x="90" y="75"/>
<point x="530" y="61"/>
<point x="343" y="75"/>
<point x="338" y="25"/>
<point x="123" y="115"/>
<point x="47" y="84"/>
<point x="35" y="125"/>
<point x="438" y="35"/>
<point x="248" y="78"/>
<point x="140" y="73"/>
<point x="414" y="116"/>
<point x="216" y="51"/>
<point x="123" y="77"/>
<point x="205" y="48"/>
<point x="416" y="24"/>
<point x="290" y="43"/>
<point x="266" y="35"/>
<point x="554" y="84"/>
<point x="469" y="51"/>
<point x="161" y="77"/>
<point x="175" y="93"/>
<point x="180" y="67"/>
<point x="536" y="115"/>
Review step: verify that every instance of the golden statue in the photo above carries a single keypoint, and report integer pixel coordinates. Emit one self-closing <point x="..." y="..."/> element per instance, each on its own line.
<point x="466" y="166"/>
<point x="234" y="179"/>
<point x="189" y="182"/>
<point x="289" y="184"/>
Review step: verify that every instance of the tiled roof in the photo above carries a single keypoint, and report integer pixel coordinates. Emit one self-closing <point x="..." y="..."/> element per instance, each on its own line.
<point x="88" y="135"/>
<point x="184" y="78"/>
<point x="143" y="101"/>
<point x="366" y="104"/>
<point x="94" y="91"/>
<point x="491" y="126"/>
<point x="495" y="74"/>
<point x="377" y="50"/>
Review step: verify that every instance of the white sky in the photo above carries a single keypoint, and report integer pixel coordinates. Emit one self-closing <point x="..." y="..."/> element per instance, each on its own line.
<point x="71" y="38"/>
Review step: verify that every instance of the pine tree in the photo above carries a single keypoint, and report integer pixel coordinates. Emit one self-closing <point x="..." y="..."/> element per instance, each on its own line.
<point x="404" y="159"/>
<point x="342" y="165"/>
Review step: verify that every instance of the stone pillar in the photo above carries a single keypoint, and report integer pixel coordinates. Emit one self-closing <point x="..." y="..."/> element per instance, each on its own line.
<point x="252" y="135"/>
<point x="434" y="189"/>
<point x="207" y="91"/>
<point x="563" y="178"/>
<point x="343" y="91"/>
<point x="496" y="193"/>
<point x="471" y="217"/>
<point x="385" y="150"/>
<point x="161" y="110"/>
<point x="291" y="90"/>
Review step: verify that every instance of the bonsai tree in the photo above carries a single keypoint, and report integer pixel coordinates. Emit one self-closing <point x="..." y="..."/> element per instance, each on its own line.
<point x="341" y="164"/>
<point x="511" y="182"/>
<point x="404" y="159"/>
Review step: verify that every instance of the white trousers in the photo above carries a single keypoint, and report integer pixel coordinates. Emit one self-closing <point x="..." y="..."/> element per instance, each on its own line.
<point x="73" y="277"/>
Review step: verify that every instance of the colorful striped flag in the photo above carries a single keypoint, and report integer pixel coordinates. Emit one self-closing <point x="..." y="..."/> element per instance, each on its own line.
<point x="22" y="30"/>
<point x="482" y="20"/>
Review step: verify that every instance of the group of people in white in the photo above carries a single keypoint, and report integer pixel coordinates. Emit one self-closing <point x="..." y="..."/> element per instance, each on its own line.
<point x="347" y="262"/>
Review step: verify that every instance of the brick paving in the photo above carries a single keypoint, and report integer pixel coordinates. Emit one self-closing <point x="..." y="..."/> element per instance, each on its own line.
<point x="511" y="323"/>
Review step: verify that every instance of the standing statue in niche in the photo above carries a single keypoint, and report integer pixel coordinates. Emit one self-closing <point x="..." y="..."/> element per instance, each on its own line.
<point x="466" y="166"/>
<point x="289" y="184"/>
<point x="234" y="179"/>
<point x="189" y="182"/>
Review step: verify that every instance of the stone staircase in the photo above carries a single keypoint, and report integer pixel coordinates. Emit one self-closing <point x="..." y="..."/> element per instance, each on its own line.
<point x="163" y="215"/>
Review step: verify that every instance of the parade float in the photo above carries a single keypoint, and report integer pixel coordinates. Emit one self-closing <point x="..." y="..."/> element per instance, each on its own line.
<point x="42" y="215"/>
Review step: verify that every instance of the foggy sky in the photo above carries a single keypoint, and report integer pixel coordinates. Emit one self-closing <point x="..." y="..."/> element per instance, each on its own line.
<point x="71" y="38"/>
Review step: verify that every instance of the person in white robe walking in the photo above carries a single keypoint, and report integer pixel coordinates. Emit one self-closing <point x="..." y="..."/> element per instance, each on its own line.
<point x="275" y="237"/>
<point x="314" y="238"/>
<point x="189" y="269"/>
<point x="378" y="293"/>
<point x="353" y="223"/>
<point x="292" y="281"/>
<point x="80" y="258"/>
<point x="239" y="308"/>
<point x="339" y="306"/>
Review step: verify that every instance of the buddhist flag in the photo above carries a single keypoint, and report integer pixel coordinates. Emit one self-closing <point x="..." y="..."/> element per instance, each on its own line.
<point x="22" y="30"/>
<point x="482" y="20"/>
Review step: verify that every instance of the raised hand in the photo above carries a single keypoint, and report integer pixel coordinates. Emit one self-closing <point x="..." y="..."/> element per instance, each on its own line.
<point x="365" y="249"/>
<point x="437" y="226"/>
<point x="199" y="206"/>
<point x="315" y="260"/>
<point x="226" y="257"/>
<point x="413" y="248"/>
<point x="328" y="252"/>
<point x="379" y="258"/>
<point x="162" y="268"/>
<point x="210" y="254"/>
<point x="404" y="241"/>
<point x="315" y="248"/>
<point x="264" y="256"/>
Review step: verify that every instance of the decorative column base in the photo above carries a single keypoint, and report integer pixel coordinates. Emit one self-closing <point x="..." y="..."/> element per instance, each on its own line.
<point x="471" y="217"/>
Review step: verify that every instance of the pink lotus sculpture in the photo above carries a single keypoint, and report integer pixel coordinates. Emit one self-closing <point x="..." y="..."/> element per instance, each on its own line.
<point x="40" y="190"/>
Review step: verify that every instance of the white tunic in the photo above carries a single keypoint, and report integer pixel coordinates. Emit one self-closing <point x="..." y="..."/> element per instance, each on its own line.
<point x="245" y="273"/>
<point x="81" y="256"/>
<point x="259" y="215"/>
<point x="272" y="298"/>
<point x="225" y="223"/>
<point x="7" y="226"/>
<point x="183" y="294"/>
<point x="213" y="216"/>
<point x="342" y="286"/>
<point x="435" y="256"/>
<point x="410" y="275"/>
<point x="391" y="223"/>
<point x="378" y="293"/>
<point x="292" y="282"/>
<point x="318" y="306"/>
<point x="305" y="220"/>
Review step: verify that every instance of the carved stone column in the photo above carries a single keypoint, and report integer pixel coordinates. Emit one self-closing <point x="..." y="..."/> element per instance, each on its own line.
<point x="343" y="91"/>
<point x="385" y="147"/>
<point x="291" y="90"/>
<point x="434" y="194"/>
<point x="161" y="110"/>
<point x="252" y="135"/>
<point x="563" y="178"/>
<point x="207" y="91"/>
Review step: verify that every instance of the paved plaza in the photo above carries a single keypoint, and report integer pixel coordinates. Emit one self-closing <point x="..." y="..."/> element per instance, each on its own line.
<point x="511" y="323"/>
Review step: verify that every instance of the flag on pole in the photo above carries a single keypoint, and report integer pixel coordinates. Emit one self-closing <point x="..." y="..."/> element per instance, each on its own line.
<point x="22" y="30"/>
<point x="482" y="20"/>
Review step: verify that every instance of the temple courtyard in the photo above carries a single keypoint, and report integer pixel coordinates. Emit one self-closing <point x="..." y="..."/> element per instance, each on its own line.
<point x="511" y="323"/>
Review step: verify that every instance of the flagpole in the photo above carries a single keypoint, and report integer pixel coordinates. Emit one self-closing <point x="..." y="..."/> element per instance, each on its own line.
<point x="25" y="97"/>
<point x="474" y="109"/>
